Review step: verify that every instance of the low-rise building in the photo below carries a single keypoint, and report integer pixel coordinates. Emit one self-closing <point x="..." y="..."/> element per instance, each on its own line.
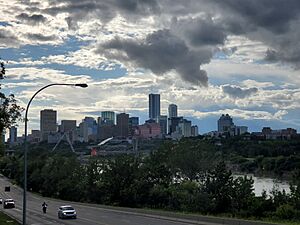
<point x="148" y="130"/>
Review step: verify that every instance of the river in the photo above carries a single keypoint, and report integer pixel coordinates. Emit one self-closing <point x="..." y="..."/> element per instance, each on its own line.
<point x="267" y="184"/>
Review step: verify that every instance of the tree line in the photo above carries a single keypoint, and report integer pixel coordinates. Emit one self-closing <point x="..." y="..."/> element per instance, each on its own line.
<point x="278" y="158"/>
<point x="189" y="175"/>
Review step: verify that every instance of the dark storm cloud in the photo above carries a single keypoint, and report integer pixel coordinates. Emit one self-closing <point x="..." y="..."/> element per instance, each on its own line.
<point x="41" y="37"/>
<point x="237" y="92"/>
<point x="291" y="55"/>
<point x="273" y="15"/>
<point x="33" y="19"/>
<point x="104" y="10"/>
<point x="200" y="31"/>
<point x="198" y="28"/>
<point x="271" y="56"/>
<point x="188" y="44"/>
<point x="161" y="52"/>
<point x="274" y="22"/>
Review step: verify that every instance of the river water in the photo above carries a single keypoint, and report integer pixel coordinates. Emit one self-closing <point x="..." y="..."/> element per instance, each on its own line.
<point x="267" y="184"/>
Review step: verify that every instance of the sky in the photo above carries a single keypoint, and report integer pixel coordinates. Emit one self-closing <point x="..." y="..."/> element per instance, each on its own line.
<point x="210" y="57"/>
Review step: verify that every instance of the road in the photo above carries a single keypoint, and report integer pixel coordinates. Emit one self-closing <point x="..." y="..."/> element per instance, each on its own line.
<point x="89" y="214"/>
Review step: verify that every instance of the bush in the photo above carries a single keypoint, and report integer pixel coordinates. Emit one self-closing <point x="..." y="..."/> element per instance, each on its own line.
<point x="286" y="211"/>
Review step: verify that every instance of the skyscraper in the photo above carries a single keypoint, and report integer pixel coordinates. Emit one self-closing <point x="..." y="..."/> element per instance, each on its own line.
<point x="68" y="125"/>
<point x="47" y="123"/>
<point x="172" y="110"/>
<point x="13" y="135"/>
<point x="154" y="106"/>
<point x="99" y="122"/>
<point x="184" y="128"/>
<point x="173" y="124"/>
<point x="108" y="117"/>
<point x="69" y="128"/>
<point x="163" y="122"/>
<point x="133" y="123"/>
<point x="195" y="131"/>
<point x="122" y="124"/>
<point x="225" y="124"/>
<point x="88" y="129"/>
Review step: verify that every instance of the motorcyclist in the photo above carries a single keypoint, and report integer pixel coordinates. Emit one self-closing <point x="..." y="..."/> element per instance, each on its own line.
<point x="44" y="206"/>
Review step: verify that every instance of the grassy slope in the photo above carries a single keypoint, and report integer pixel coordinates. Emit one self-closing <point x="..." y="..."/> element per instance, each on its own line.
<point x="4" y="219"/>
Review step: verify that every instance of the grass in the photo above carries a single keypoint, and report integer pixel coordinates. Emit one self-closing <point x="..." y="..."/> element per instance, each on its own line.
<point x="6" y="220"/>
<point x="283" y="222"/>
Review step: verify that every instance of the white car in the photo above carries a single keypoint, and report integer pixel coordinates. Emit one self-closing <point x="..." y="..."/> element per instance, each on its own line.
<point x="66" y="211"/>
<point x="8" y="203"/>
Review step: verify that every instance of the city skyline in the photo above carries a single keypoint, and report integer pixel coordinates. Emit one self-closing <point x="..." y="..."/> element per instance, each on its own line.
<point x="208" y="57"/>
<point x="110" y="117"/>
<point x="123" y="128"/>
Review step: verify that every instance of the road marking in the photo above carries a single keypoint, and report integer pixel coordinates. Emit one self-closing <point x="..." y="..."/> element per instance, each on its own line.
<point x="94" y="222"/>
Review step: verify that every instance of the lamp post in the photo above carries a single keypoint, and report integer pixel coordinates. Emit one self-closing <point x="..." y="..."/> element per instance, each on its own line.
<point x="25" y="141"/>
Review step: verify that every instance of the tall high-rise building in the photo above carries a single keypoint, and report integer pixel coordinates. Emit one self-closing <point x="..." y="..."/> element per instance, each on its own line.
<point x="48" y="124"/>
<point x="13" y="133"/>
<point x="195" y="131"/>
<point x="69" y="128"/>
<point x="173" y="124"/>
<point x="163" y="122"/>
<point x="122" y="125"/>
<point x="88" y="129"/>
<point x="99" y="122"/>
<point x="68" y="125"/>
<point x="184" y="128"/>
<point x="154" y="106"/>
<point x="108" y="117"/>
<point x="225" y="123"/>
<point x="172" y="110"/>
<point x="133" y="123"/>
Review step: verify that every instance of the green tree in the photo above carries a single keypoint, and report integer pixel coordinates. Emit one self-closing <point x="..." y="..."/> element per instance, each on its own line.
<point x="117" y="180"/>
<point x="92" y="180"/>
<point x="218" y="185"/>
<point x="242" y="193"/>
<point x="190" y="159"/>
<point x="10" y="112"/>
<point x="62" y="178"/>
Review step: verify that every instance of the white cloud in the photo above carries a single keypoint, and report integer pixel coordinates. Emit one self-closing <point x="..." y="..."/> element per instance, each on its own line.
<point x="253" y="83"/>
<point x="231" y="70"/>
<point x="278" y="86"/>
<point x="130" y="93"/>
<point x="45" y="75"/>
<point x="243" y="114"/>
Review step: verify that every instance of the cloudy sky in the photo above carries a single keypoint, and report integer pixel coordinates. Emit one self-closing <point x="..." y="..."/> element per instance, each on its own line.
<point x="209" y="57"/>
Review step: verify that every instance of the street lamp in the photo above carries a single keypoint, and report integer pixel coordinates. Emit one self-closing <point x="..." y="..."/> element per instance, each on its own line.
<point x="25" y="141"/>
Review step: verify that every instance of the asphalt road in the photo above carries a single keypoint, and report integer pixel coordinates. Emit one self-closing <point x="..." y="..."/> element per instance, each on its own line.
<point x="89" y="214"/>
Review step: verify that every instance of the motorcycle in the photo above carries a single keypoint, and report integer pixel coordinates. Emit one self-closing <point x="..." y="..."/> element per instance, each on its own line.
<point x="44" y="208"/>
